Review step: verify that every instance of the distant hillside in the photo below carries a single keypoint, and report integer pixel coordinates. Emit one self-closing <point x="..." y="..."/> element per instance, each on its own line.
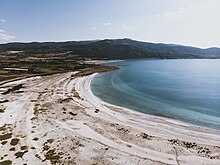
<point x="113" y="49"/>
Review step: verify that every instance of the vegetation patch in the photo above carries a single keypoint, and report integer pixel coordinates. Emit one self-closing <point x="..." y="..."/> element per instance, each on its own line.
<point x="2" y="110"/>
<point x="36" y="111"/>
<point x="46" y="106"/>
<point x="4" y="142"/>
<point x="33" y="118"/>
<point x="50" y="141"/>
<point x="5" y="136"/>
<point x="50" y="154"/>
<point x="14" y="88"/>
<point x="20" y="154"/>
<point x="14" y="141"/>
<point x="6" y="162"/>
<point x="53" y="156"/>
<point x="46" y="147"/>
<point x="24" y="147"/>
<point x="75" y="93"/>
<point x="43" y="61"/>
<point x="64" y="100"/>
<point x="95" y="69"/>
<point x="3" y="128"/>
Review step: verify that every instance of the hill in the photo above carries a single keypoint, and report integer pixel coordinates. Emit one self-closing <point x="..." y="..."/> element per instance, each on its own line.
<point x="111" y="49"/>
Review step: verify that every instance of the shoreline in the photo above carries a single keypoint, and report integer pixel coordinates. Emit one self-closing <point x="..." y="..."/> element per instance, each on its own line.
<point x="187" y="124"/>
<point x="97" y="102"/>
<point x="211" y="124"/>
<point x="56" y="119"/>
<point x="153" y="126"/>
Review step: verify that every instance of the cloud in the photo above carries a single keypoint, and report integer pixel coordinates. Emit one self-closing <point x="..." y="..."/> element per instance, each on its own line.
<point x="124" y="26"/>
<point x="181" y="13"/>
<point x="94" y="28"/>
<point x="106" y="23"/>
<point x="205" y="8"/>
<point x="2" y="20"/>
<point x="2" y="31"/>
<point x="4" y="36"/>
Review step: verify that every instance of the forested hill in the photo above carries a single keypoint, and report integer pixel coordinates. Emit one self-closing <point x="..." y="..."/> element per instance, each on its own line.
<point x="112" y="49"/>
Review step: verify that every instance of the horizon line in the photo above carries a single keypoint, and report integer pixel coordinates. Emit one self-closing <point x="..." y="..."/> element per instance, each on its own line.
<point x="102" y="39"/>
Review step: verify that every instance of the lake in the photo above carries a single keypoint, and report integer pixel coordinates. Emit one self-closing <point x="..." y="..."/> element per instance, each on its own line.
<point x="186" y="90"/>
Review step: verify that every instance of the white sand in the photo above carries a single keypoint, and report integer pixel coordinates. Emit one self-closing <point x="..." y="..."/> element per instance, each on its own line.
<point x="176" y="129"/>
<point x="72" y="126"/>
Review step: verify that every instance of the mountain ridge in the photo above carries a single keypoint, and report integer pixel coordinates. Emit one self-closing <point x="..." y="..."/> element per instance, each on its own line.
<point x="116" y="49"/>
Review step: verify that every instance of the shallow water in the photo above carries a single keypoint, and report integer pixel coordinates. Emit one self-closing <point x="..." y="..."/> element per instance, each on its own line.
<point x="187" y="90"/>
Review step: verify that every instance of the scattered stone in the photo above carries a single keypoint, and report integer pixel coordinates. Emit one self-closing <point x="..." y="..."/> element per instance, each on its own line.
<point x="173" y="141"/>
<point x="19" y="92"/>
<point x="4" y="101"/>
<point x="71" y="113"/>
<point x="123" y="129"/>
<point x="35" y="139"/>
<point x="96" y="110"/>
<point x="37" y="156"/>
<point x="146" y="136"/>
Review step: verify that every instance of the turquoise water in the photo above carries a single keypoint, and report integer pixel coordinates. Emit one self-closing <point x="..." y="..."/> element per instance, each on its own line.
<point x="187" y="90"/>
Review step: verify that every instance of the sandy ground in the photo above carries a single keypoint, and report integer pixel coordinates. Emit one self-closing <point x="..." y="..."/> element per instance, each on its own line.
<point x="57" y="120"/>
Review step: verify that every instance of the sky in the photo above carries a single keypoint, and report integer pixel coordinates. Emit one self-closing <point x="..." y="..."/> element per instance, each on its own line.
<point x="185" y="22"/>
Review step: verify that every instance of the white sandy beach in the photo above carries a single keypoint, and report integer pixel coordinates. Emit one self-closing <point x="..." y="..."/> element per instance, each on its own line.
<point x="57" y="120"/>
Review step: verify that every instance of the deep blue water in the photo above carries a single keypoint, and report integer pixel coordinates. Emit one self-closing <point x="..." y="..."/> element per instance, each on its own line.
<point x="187" y="90"/>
